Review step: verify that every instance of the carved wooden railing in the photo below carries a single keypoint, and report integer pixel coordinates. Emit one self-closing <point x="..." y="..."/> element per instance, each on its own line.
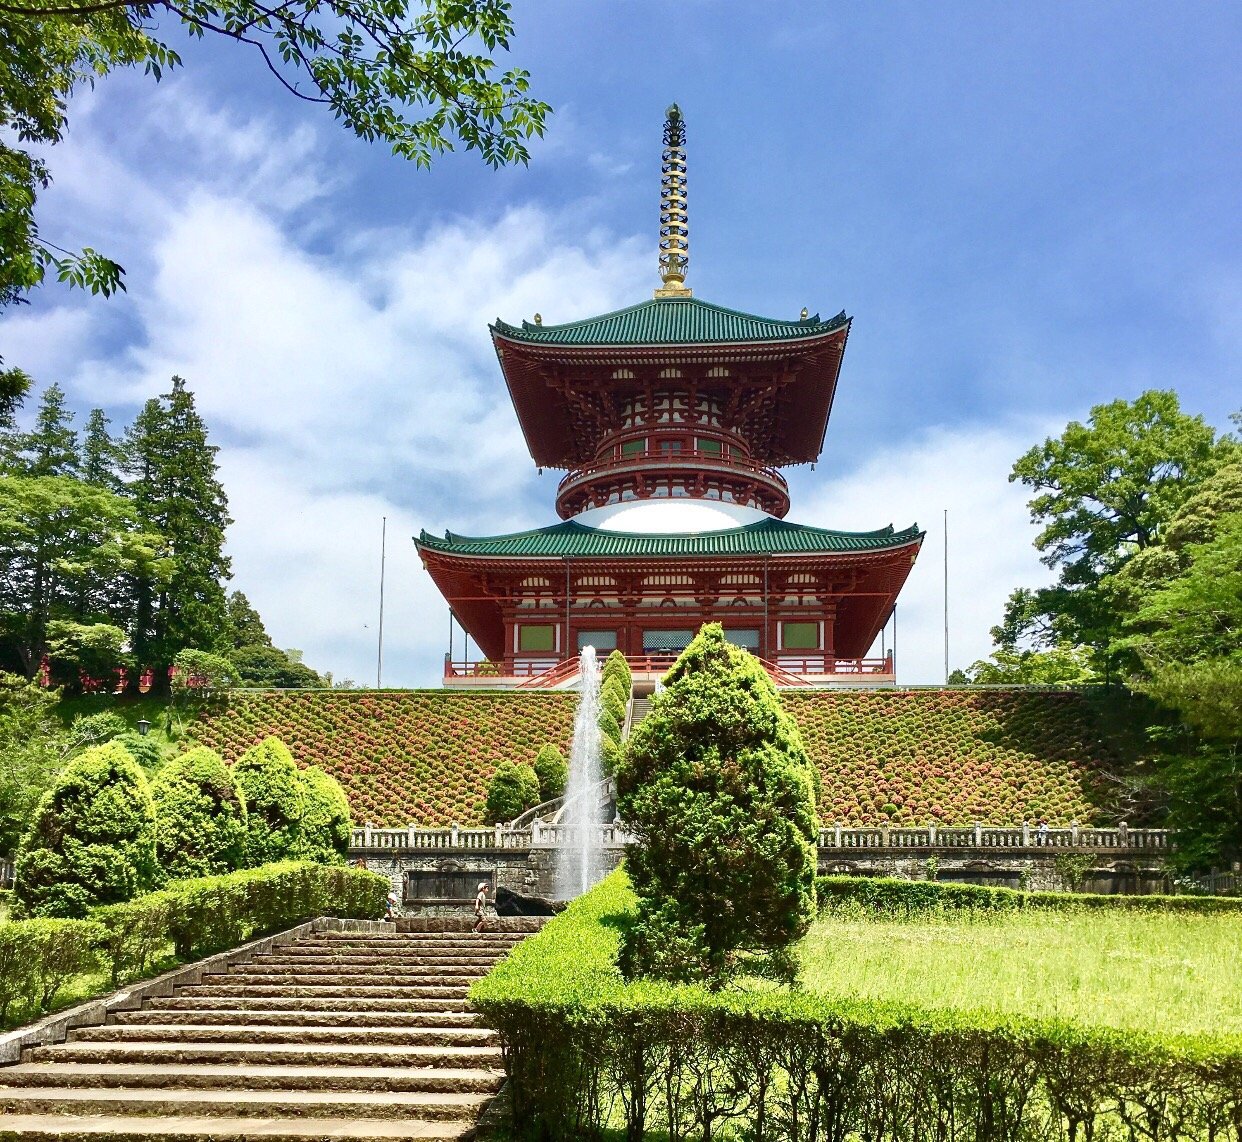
<point x="836" y="838"/>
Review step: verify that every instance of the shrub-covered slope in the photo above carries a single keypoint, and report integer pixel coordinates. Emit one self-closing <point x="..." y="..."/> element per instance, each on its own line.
<point x="955" y="757"/>
<point x="415" y="755"/>
<point x="895" y="756"/>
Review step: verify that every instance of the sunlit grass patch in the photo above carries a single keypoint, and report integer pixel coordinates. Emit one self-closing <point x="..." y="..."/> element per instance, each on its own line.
<point x="1166" y="973"/>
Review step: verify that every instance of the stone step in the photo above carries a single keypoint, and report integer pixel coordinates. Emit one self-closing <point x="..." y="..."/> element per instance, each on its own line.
<point x="464" y="922"/>
<point x="413" y="940"/>
<point x="283" y="1033"/>
<point x="438" y="989"/>
<point x="385" y="950"/>
<point x="118" y="1128"/>
<point x="407" y="964"/>
<point x="327" y="979"/>
<point x="327" y="1003"/>
<point x="174" y="1102"/>
<point x="318" y="1018"/>
<point x="207" y="1076"/>
<point x="368" y="1054"/>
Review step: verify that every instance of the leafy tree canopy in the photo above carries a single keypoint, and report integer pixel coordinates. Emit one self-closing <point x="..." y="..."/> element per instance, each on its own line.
<point x="201" y="818"/>
<point x="31" y="749"/>
<point x="421" y="78"/>
<point x="1062" y="665"/>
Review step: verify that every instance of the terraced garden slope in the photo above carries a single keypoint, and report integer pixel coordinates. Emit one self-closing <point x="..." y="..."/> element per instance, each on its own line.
<point x="896" y="756"/>
<point x="413" y="755"/>
<point x="908" y="757"/>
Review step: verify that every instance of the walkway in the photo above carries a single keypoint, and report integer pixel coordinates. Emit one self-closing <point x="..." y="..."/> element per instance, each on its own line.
<point x="341" y="1035"/>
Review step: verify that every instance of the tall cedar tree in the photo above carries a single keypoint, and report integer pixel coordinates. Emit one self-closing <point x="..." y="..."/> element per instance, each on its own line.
<point x="716" y="785"/>
<point x="101" y="456"/>
<point x="176" y="494"/>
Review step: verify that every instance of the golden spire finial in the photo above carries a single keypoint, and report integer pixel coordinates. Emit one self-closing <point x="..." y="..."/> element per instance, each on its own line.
<point x="674" y="219"/>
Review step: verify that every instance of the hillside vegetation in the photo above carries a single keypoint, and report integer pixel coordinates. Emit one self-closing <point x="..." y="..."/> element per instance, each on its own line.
<point x="413" y="755"/>
<point x="897" y="756"/>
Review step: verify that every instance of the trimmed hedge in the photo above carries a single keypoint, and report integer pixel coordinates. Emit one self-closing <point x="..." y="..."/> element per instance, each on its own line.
<point x="38" y="957"/>
<point x="200" y="816"/>
<point x="275" y="798"/>
<point x="326" y="826"/>
<point x="209" y="914"/>
<point x="585" y="1050"/>
<point x="896" y="897"/>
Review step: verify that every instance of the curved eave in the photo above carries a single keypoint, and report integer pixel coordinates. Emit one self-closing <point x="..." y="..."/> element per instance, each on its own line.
<point x="812" y="365"/>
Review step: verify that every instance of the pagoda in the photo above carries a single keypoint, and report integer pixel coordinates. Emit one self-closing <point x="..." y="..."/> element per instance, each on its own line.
<point x="672" y="419"/>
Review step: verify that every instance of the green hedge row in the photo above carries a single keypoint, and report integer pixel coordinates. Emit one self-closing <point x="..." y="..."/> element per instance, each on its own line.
<point x="585" y="1052"/>
<point x="191" y="918"/>
<point x="893" y="896"/>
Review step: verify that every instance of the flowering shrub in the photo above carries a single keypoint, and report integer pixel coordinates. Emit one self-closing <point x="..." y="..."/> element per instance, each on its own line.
<point x="401" y="756"/>
<point x="910" y="757"/>
<point x="885" y="756"/>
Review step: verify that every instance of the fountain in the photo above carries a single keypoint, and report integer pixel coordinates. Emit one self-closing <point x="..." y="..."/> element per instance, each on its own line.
<point x="579" y="861"/>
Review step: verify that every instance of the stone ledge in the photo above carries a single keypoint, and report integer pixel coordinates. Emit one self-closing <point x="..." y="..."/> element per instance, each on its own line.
<point x="94" y="1012"/>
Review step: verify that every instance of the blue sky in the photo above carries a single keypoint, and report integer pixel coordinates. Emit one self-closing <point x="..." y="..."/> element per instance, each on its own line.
<point x="1026" y="209"/>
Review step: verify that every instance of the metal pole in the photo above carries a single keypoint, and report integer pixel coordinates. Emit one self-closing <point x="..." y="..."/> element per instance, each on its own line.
<point x="379" y="650"/>
<point x="767" y="641"/>
<point x="565" y="641"/>
<point x="451" y="634"/>
<point x="894" y="642"/>
<point x="946" y="596"/>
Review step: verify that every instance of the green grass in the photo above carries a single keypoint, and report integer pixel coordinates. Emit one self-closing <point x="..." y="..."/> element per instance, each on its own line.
<point x="1174" y="974"/>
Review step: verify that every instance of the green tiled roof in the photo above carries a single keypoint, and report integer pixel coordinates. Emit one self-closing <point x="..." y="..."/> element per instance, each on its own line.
<point x="767" y="537"/>
<point x="671" y="321"/>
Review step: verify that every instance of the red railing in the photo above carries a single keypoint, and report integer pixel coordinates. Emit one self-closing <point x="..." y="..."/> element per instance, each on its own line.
<point x="785" y="670"/>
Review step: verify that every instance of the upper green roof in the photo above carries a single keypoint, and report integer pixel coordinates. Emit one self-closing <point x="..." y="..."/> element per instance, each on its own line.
<point x="767" y="537"/>
<point x="671" y="321"/>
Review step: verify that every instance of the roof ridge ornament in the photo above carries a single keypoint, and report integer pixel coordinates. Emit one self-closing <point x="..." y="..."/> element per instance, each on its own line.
<point x="674" y="216"/>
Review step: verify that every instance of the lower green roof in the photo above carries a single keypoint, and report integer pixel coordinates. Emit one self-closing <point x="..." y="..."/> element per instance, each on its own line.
<point x="767" y="537"/>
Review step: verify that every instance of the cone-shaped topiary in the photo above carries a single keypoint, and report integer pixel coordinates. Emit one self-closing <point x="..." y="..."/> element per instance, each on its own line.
<point x="275" y="798"/>
<point x="326" y="826"/>
<point x="616" y="667"/>
<point x="609" y="726"/>
<point x="512" y="790"/>
<point x="92" y="840"/>
<point x="614" y="700"/>
<point x="200" y="816"/>
<point x="609" y="755"/>
<point x="716" y="785"/>
<point x="552" y="771"/>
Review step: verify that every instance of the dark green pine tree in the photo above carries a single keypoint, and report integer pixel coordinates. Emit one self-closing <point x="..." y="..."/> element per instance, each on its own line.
<point x="173" y="484"/>
<point x="100" y="462"/>
<point x="14" y="385"/>
<point x="245" y="625"/>
<point x="51" y="448"/>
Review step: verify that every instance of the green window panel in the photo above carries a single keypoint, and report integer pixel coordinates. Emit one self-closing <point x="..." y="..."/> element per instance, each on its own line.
<point x="799" y="636"/>
<point x="536" y="637"/>
<point x="634" y="447"/>
<point x="711" y="447"/>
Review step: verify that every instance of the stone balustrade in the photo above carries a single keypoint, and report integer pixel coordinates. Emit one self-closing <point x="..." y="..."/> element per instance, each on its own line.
<point x="834" y="838"/>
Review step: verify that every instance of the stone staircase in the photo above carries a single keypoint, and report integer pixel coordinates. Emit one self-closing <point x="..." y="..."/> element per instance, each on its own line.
<point x="338" y="1035"/>
<point x="639" y="709"/>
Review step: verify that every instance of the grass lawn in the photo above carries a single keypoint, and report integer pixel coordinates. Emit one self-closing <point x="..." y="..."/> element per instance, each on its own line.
<point x="1178" y="974"/>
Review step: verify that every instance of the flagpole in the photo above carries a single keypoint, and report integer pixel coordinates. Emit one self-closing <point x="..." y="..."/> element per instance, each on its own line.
<point x="946" y="596"/>
<point x="379" y="651"/>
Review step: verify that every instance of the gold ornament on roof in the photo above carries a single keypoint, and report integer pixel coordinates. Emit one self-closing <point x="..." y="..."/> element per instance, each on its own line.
<point x="674" y="215"/>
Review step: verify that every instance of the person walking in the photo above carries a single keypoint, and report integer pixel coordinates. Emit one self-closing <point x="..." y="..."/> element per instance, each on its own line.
<point x="480" y="903"/>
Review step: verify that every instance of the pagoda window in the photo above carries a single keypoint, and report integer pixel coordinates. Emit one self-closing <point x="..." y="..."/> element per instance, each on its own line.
<point x="634" y="447"/>
<point x="622" y="375"/>
<point x="666" y="641"/>
<point x="600" y="639"/>
<point x="799" y="636"/>
<point x="670" y="446"/>
<point x="735" y="453"/>
<point x="535" y="638"/>
<point x="711" y="447"/>
<point x="717" y="371"/>
<point x="747" y="639"/>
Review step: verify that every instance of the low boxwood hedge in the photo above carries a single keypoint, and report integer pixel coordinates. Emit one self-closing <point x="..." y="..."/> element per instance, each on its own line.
<point x="893" y="896"/>
<point x="586" y="1051"/>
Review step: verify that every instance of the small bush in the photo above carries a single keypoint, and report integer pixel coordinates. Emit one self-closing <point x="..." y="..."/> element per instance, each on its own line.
<point x="326" y="826"/>
<point x="146" y="751"/>
<point x="95" y="729"/>
<point x="552" y="771"/>
<point x="512" y="790"/>
<point x="275" y="799"/>
<point x="92" y="840"/>
<point x="609" y="756"/>
<point x="609" y="726"/>
<point x="616" y="667"/>
<point x="201" y="820"/>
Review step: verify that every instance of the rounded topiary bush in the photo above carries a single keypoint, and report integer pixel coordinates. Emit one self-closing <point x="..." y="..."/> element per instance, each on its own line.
<point x="616" y="667"/>
<point x="716" y="785"/>
<point x="200" y="817"/>
<point x="609" y="726"/>
<point x="92" y="840"/>
<point x="147" y="752"/>
<point x="512" y="790"/>
<point x="552" y="772"/>
<point x="275" y="799"/>
<point x="326" y="825"/>
<point x="614" y="695"/>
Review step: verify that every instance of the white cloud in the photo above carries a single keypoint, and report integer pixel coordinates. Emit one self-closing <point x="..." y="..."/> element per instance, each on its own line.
<point x="965" y="470"/>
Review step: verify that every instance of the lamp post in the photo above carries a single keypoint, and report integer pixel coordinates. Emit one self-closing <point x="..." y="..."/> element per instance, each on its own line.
<point x="143" y="726"/>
